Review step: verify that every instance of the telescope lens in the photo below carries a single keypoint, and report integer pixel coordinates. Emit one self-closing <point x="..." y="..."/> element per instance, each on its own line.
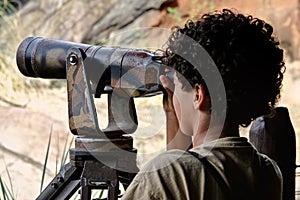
<point x="44" y="57"/>
<point x="23" y="60"/>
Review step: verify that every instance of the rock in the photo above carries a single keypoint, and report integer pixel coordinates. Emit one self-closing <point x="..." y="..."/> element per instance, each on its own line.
<point x="124" y="14"/>
<point x="65" y="20"/>
<point x="84" y="21"/>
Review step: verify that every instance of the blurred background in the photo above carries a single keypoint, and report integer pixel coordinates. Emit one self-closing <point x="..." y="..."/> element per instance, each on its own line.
<point x="33" y="112"/>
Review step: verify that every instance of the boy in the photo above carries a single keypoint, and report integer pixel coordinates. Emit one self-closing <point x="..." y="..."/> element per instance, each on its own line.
<point x="220" y="163"/>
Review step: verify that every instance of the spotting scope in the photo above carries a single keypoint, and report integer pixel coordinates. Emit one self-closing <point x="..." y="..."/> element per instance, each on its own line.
<point x="113" y="67"/>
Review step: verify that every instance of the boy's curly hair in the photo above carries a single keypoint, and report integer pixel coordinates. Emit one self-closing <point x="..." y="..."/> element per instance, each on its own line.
<point x="247" y="55"/>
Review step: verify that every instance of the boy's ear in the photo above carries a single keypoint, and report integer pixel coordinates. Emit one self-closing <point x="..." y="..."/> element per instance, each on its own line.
<point x="200" y="97"/>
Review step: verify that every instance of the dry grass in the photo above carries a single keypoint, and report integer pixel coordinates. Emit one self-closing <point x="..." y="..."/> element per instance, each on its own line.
<point x="14" y="87"/>
<point x="11" y="82"/>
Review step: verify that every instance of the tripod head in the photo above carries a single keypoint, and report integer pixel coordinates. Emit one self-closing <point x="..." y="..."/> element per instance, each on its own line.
<point x="91" y="71"/>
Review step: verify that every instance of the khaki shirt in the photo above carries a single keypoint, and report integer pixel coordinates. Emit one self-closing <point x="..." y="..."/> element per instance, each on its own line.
<point x="176" y="174"/>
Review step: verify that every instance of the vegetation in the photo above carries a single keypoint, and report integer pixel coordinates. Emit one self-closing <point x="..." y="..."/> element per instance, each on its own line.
<point x="13" y="85"/>
<point x="10" y="81"/>
<point x="196" y="7"/>
<point x="7" y="192"/>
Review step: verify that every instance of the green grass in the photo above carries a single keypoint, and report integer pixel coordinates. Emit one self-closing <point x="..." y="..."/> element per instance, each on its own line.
<point x="46" y="160"/>
<point x="6" y="54"/>
<point x="6" y="8"/>
<point x="174" y="13"/>
<point x="98" y="194"/>
<point x="7" y="192"/>
<point x="63" y="159"/>
<point x="7" y="189"/>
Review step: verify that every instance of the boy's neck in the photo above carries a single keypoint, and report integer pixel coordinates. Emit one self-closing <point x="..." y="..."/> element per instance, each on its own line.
<point x="215" y="132"/>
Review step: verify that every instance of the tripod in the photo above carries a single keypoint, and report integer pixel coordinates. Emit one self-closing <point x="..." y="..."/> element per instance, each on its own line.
<point x="86" y="172"/>
<point x="101" y="159"/>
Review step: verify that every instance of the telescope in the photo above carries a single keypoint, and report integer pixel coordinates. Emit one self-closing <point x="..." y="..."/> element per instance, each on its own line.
<point x="114" y="67"/>
<point x="102" y="157"/>
<point x="126" y="72"/>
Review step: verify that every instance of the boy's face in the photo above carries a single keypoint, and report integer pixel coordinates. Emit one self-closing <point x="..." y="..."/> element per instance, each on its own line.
<point x="183" y="105"/>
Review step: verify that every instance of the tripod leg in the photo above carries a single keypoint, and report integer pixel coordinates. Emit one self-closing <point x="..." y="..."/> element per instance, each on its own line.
<point x="98" y="176"/>
<point x="85" y="192"/>
<point x="64" y="184"/>
<point x="113" y="190"/>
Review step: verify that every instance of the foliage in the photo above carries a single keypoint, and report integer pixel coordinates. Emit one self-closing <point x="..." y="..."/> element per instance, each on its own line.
<point x="63" y="159"/>
<point x="13" y="85"/>
<point x="97" y="194"/>
<point x="7" y="192"/>
<point x="10" y="82"/>
<point x="196" y="7"/>
<point x="6" y="8"/>
<point x="174" y="13"/>
<point x="46" y="160"/>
